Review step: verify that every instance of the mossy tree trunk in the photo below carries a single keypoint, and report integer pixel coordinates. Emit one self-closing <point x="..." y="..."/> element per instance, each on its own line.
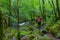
<point x="54" y="10"/>
<point x="1" y="26"/>
<point x="43" y="11"/>
<point x="9" y="14"/>
<point x="57" y="5"/>
<point x="18" y="18"/>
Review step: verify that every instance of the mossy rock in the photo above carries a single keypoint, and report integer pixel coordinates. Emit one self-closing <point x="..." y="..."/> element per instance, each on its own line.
<point x="44" y="38"/>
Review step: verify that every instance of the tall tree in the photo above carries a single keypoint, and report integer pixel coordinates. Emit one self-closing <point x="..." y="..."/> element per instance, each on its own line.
<point x="1" y="25"/>
<point x="40" y="8"/>
<point x="53" y="6"/>
<point x="9" y="13"/>
<point x="32" y="10"/>
<point x="57" y="5"/>
<point x="17" y="7"/>
<point x="43" y="10"/>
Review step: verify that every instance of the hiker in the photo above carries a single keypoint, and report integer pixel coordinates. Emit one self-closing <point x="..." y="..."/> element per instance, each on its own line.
<point x="39" y="22"/>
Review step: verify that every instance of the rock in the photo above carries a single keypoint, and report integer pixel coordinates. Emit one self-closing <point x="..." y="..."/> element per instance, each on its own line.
<point x="21" y="24"/>
<point x="24" y="38"/>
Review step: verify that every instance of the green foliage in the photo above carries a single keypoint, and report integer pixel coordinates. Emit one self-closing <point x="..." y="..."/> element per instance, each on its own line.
<point x="24" y="32"/>
<point x="45" y="38"/>
<point x="57" y="35"/>
<point x="29" y="10"/>
<point x="55" y="29"/>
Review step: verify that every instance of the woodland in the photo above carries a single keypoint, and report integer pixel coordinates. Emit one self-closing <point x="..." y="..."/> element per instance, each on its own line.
<point x="18" y="19"/>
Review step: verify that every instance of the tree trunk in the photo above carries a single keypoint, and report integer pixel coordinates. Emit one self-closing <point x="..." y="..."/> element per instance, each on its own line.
<point x="57" y="5"/>
<point x="54" y="9"/>
<point x="32" y="10"/>
<point x="17" y="7"/>
<point x="43" y="8"/>
<point x="9" y="24"/>
<point x="1" y="26"/>
<point x="40" y="8"/>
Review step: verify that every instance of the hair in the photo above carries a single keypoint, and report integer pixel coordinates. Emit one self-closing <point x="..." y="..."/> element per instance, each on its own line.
<point x="38" y="16"/>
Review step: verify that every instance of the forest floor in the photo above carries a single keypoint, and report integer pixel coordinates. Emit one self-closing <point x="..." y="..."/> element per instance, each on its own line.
<point x="34" y="29"/>
<point x="48" y="35"/>
<point x="52" y="37"/>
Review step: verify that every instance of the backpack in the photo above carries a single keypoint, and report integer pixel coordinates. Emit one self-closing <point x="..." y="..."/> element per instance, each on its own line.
<point x="38" y="19"/>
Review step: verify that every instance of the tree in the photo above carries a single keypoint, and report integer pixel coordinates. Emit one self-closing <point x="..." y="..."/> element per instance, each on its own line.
<point x="32" y="10"/>
<point x="53" y="6"/>
<point x="17" y="8"/>
<point x="9" y="13"/>
<point x="57" y="5"/>
<point x="40" y="7"/>
<point x="1" y="25"/>
<point x="43" y="10"/>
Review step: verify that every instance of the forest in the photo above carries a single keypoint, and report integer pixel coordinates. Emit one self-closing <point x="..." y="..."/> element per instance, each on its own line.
<point x="18" y="19"/>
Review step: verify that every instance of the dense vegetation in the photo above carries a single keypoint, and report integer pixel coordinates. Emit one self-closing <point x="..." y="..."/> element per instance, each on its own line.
<point x="15" y="12"/>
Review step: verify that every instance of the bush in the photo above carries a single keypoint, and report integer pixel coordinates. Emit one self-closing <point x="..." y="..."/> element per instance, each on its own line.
<point x="55" y="30"/>
<point x="57" y="35"/>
